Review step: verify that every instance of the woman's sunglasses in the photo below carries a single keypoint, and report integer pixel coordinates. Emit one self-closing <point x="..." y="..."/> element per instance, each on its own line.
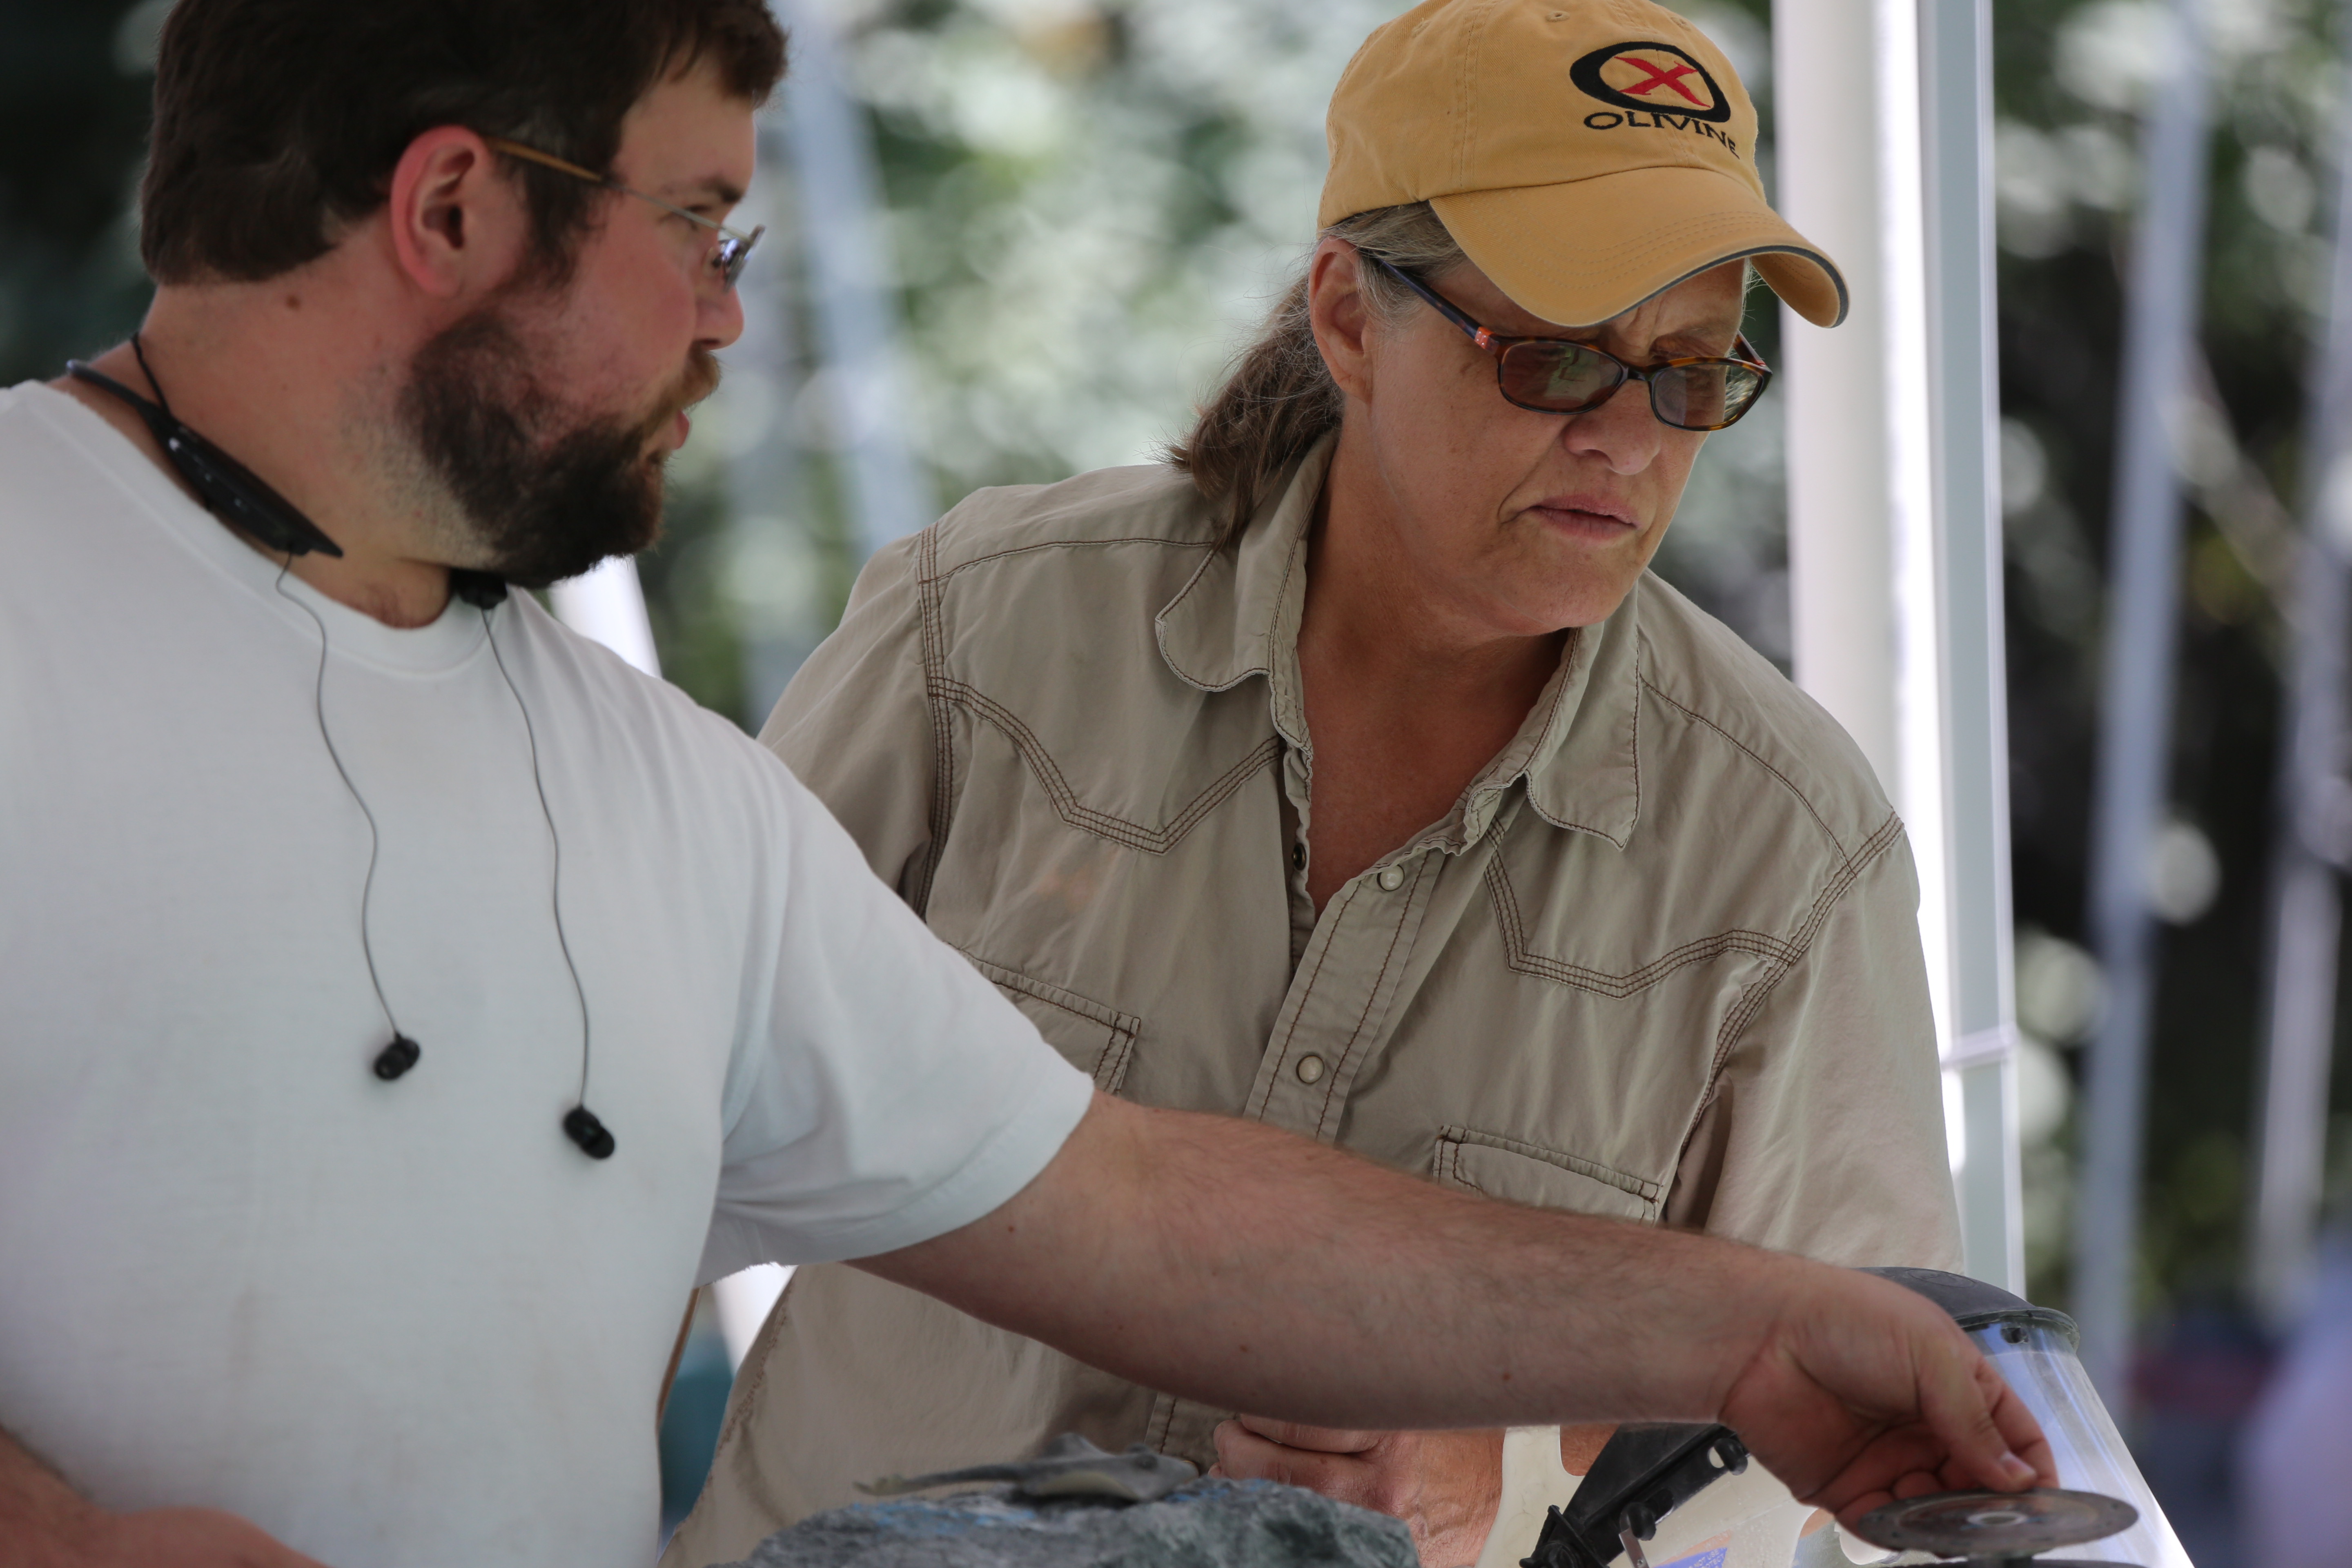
<point x="1554" y="376"/>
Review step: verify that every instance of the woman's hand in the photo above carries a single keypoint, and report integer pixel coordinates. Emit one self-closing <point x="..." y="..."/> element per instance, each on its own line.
<point x="1445" y="1485"/>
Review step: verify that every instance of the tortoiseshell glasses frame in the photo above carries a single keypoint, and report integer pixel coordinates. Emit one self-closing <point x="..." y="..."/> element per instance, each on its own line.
<point x="1559" y="375"/>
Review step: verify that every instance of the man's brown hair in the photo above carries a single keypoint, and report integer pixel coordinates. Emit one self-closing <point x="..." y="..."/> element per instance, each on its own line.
<point x="277" y="122"/>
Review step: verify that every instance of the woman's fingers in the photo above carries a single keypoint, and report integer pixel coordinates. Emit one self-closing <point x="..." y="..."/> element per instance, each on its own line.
<point x="1296" y="1435"/>
<point x="1246" y="1454"/>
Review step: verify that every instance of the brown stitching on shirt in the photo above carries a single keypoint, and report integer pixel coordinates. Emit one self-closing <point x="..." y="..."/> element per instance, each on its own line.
<point x="1637" y="731"/>
<point x="1102" y="824"/>
<point x="1208" y="544"/>
<point x="1163" y="1417"/>
<point x="1751" y="1003"/>
<point x="1110" y="1072"/>
<point x="1520" y="958"/>
<point x="1372" y="994"/>
<point x="1601" y="833"/>
<point x="1504" y="767"/>
<point x="931" y="599"/>
<point x="1699" y="718"/>
<point x="1119" y="1029"/>
<point x="1591" y="1170"/>
<point x="939" y="691"/>
<point x="1160" y="621"/>
<point x="1751" y="1000"/>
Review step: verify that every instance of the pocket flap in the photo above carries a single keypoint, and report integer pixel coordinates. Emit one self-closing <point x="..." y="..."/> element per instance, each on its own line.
<point x="1546" y="1178"/>
<point x="1098" y="1041"/>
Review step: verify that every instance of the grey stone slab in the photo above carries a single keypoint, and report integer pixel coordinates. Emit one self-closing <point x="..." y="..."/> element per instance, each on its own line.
<point x="1070" y="1467"/>
<point x="1212" y="1523"/>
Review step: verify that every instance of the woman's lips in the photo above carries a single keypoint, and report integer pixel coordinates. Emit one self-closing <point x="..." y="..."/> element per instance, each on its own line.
<point x="1587" y="516"/>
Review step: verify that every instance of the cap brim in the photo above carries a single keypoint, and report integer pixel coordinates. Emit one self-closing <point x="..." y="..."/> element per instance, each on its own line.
<point x="1579" y="253"/>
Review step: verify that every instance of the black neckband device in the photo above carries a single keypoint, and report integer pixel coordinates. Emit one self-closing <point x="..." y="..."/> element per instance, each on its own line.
<point x="245" y="502"/>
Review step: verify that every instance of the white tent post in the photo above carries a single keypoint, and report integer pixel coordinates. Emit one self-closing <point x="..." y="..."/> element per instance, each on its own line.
<point x="1892" y="561"/>
<point x="1964" y="408"/>
<point x="2315" y="813"/>
<point x="607" y="604"/>
<point x="2161" y="296"/>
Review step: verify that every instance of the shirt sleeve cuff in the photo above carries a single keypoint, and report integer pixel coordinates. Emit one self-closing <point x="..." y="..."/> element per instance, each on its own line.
<point x="1008" y="1160"/>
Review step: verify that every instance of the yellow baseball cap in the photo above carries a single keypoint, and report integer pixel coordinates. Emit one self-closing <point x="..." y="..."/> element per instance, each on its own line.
<point x="1586" y="154"/>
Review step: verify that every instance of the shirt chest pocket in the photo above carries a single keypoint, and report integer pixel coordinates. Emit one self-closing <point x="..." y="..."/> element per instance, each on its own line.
<point x="1521" y="1172"/>
<point x="1098" y="1041"/>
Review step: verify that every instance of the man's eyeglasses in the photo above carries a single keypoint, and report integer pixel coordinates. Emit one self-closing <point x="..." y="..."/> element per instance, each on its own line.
<point x="727" y="256"/>
<point x="1554" y="376"/>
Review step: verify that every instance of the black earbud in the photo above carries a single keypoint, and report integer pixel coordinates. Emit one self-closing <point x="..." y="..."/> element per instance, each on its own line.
<point x="483" y="590"/>
<point x="397" y="1058"/>
<point x="580" y="1125"/>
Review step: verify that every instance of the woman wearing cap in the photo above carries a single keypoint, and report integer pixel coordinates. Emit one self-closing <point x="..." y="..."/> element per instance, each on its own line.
<point x="1349" y="771"/>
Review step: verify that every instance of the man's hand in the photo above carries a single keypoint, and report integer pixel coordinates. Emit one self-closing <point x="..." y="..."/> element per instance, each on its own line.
<point x="1445" y="1486"/>
<point x="1864" y="1393"/>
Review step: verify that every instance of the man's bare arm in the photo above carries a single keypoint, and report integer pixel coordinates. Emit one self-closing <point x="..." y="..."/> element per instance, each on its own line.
<point x="1228" y="1262"/>
<point x="45" y="1524"/>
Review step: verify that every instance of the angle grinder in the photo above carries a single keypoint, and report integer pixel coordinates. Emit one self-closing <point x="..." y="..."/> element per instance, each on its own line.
<point x="1649" y="1475"/>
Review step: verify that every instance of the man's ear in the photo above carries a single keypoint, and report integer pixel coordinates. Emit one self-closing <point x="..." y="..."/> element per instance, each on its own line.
<point x="1342" y="317"/>
<point x="457" y="220"/>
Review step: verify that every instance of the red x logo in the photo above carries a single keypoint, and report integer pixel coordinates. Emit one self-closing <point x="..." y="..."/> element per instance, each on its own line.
<point x="1656" y="78"/>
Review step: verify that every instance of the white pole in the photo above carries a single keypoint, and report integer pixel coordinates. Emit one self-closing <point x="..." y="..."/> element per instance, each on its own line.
<point x="1956" y="94"/>
<point x="1896" y="619"/>
<point x="2315" y="813"/>
<point x="2161" y="296"/>
<point x="607" y="603"/>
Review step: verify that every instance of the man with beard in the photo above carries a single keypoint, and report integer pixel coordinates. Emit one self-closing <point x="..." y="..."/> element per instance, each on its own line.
<point x="403" y="1004"/>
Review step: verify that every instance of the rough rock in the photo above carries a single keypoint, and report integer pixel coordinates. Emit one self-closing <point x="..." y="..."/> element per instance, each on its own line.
<point x="1208" y="1525"/>
<point x="1070" y="1467"/>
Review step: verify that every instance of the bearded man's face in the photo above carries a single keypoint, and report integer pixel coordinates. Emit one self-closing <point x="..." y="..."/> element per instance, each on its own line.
<point x="546" y="489"/>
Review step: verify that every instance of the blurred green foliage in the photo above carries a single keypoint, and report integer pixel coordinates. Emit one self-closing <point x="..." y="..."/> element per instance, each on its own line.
<point x="2070" y="81"/>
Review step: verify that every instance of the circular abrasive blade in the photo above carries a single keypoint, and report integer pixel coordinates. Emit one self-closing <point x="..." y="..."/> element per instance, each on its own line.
<point x="1995" y="1524"/>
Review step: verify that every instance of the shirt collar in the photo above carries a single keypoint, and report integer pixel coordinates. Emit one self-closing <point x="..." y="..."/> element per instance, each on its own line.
<point x="1579" y="749"/>
<point x="1239" y="613"/>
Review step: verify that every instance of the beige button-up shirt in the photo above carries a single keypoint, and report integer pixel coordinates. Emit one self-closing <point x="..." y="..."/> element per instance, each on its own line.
<point x="1660" y="961"/>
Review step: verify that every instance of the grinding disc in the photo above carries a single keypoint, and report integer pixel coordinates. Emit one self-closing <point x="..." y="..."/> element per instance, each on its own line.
<point x="1995" y="1524"/>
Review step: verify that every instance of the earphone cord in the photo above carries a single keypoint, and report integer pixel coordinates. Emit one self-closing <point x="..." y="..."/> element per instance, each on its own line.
<point x="555" y="848"/>
<point x="375" y="839"/>
<point x="164" y="403"/>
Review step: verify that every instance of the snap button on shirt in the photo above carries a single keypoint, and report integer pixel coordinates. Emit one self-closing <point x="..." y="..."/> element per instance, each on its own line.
<point x="1391" y="878"/>
<point x="1309" y="1069"/>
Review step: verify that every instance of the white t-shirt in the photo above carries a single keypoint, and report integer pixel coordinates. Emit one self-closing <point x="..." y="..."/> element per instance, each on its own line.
<point x="411" y="1323"/>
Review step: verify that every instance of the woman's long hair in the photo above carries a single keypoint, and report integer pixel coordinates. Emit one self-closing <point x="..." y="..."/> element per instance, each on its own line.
<point x="1280" y="399"/>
